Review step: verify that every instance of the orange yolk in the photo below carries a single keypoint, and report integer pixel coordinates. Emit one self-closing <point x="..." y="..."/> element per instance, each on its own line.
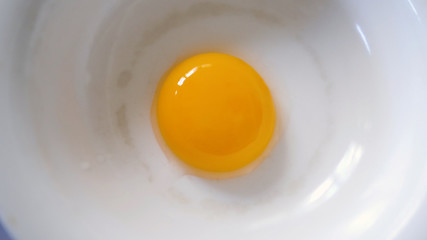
<point x="215" y="113"/>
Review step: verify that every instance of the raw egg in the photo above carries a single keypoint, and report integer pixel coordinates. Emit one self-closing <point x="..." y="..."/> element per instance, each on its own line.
<point x="215" y="113"/>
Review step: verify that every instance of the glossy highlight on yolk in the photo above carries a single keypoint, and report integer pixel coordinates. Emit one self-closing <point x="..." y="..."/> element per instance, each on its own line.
<point x="215" y="113"/>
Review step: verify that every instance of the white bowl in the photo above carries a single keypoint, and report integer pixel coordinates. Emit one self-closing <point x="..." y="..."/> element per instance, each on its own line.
<point x="79" y="159"/>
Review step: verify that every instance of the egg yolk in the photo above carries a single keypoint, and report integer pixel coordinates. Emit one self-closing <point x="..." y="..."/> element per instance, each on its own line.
<point x="215" y="112"/>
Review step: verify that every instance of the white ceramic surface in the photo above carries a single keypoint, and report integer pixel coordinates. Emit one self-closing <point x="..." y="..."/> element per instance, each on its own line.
<point x="78" y="156"/>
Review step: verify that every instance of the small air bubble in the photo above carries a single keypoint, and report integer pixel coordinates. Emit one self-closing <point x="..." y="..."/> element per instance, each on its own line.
<point x="85" y="165"/>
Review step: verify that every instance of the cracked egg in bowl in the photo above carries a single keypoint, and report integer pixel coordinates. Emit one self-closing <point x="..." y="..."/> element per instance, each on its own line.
<point x="194" y="119"/>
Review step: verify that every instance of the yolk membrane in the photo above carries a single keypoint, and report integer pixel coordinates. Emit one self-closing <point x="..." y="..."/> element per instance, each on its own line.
<point x="215" y="112"/>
